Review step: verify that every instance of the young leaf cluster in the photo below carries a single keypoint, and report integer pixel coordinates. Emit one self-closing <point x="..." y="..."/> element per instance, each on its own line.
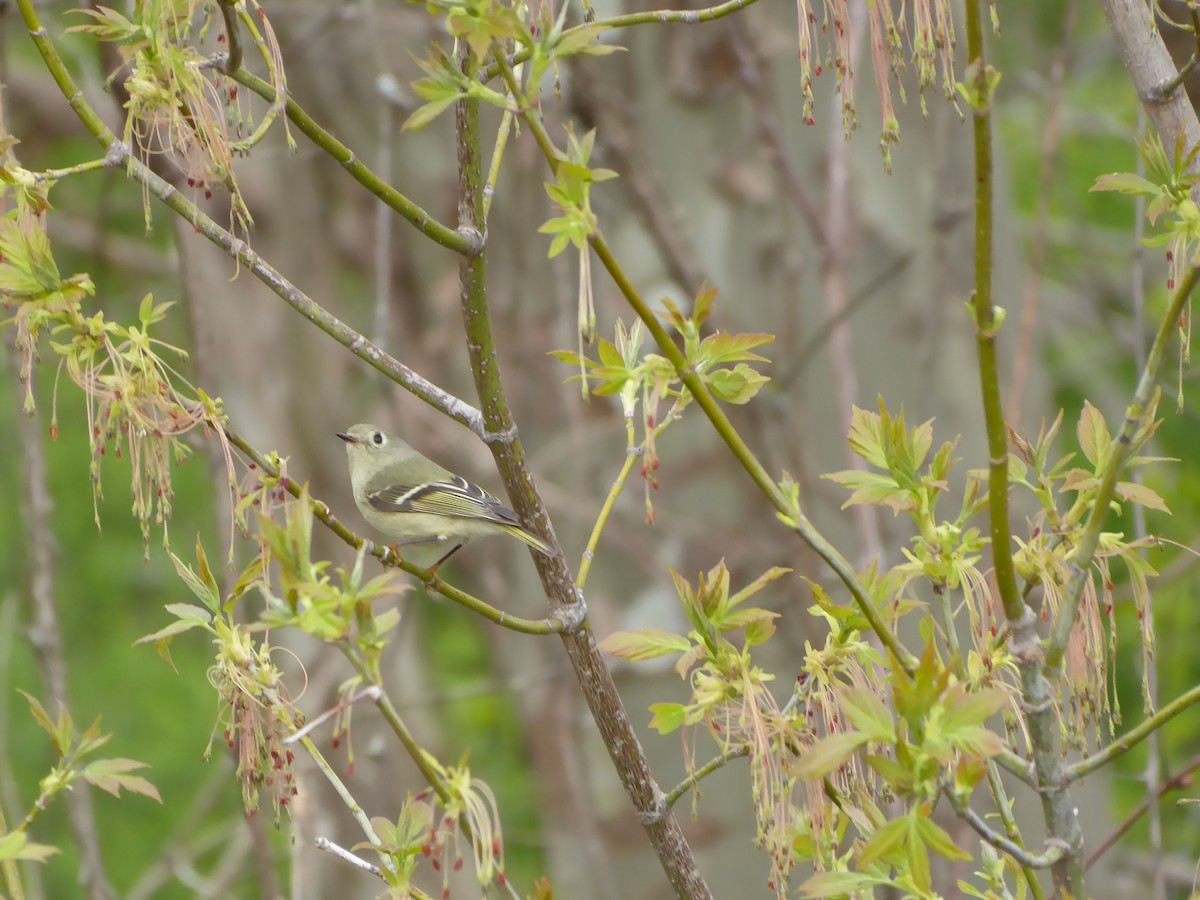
<point x="73" y="766"/>
<point x="720" y="360"/>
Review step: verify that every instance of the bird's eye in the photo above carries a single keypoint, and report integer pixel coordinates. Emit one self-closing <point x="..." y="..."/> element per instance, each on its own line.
<point x="378" y="439"/>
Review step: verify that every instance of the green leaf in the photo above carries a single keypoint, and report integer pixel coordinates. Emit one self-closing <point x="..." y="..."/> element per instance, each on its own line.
<point x="169" y="631"/>
<point x="873" y="489"/>
<point x="972" y="709"/>
<point x="866" y="436"/>
<point x="1094" y="436"/>
<point x="644" y="643"/>
<point x="900" y="778"/>
<point x="756" y="585"/>
<point x="840" y="884"/>
<point x="760" y="630"/>
<point x="936" y="838"/>
<point x="1126" y="183"/>
<point x="726" y="348"/>
<point x="1139" y="493"/>
<point x="204" y="589"/>
<point x="828" y="753"/>
<point x="112" y="774"/>
<point x="15" y="845"/>
<point x="737" y="385"/>
<point x="867" y="713"/>
<point x="668" y="717"/>
<point x="426" y="113"/>
<point x="886" y="842"/>
<point x="41" y="716"/>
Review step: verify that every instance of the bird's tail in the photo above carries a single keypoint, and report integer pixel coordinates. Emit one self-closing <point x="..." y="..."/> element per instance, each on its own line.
<point x="533" y="541"/>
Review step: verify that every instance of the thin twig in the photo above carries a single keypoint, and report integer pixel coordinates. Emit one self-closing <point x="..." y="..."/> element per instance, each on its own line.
<point x="1044" y="860"/>
<point x="323" y="843"/>
<point x="1179" y="781"/>
<point x="466" y="243"/>
<point x="717" y="762"/>
<point x="1134" y="736"/>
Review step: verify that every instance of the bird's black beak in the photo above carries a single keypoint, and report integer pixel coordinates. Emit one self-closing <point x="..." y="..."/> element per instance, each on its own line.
<point x="348" y="438"/>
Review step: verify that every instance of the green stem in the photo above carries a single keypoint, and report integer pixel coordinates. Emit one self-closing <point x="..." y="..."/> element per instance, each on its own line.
<point x="1038" y="700"/>
<point x="1118" y="456"/>
<point x="339" y="787"/>
<point x="704" y="771"/>
<point x="463" y="243"/>
<point x="1133" y="737"/>
<point x="233" y="35"/>
<point x="632" y="455"/>
<point x="489" y="188"/>
<point x="92" y="165"/>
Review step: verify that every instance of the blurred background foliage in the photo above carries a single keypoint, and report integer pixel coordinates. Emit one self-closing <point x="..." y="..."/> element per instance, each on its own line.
<point x="699" y="199"/>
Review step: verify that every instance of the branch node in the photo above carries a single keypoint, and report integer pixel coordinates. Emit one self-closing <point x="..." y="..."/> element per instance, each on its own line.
<point x="474" y="237"/>
<point x="1034" y="708"/>
<point x="659" y="812"/>
<point x="507" y="436"/>
<point x="116" y="154"/>
<point x="573" y="615"/>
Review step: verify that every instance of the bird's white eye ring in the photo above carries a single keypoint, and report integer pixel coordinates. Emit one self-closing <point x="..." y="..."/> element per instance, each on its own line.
<point x="378" y="439"/>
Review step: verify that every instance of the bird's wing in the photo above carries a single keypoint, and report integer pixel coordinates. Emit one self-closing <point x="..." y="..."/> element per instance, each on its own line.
<point x="453" y="497"/>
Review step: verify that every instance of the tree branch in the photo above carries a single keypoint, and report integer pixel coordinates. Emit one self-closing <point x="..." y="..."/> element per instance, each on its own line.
<point x="1133" y="737"/>
<point x="612" y="721"/>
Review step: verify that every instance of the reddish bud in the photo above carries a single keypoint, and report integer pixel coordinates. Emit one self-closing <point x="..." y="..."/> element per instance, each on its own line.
<point x="54" y="432"/>
<point x="208" y="195"/>
<point x="458" y="864"/>
<point x="809" y="120"/>
<point x="817" y="71"/>
<point x="437" y="864"/>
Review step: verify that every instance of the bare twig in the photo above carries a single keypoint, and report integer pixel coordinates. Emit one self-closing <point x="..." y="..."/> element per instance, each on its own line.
<point x="1179" y="781"/>
<point x="323" y="843"/>
<point x="717" y="762"/>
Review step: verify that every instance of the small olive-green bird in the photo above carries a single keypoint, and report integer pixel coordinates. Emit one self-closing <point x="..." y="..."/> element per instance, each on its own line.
<point x="412" y="499"/>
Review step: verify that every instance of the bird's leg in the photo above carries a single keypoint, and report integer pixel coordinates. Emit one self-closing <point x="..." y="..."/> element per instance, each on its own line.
<point x="449" y="554"/>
